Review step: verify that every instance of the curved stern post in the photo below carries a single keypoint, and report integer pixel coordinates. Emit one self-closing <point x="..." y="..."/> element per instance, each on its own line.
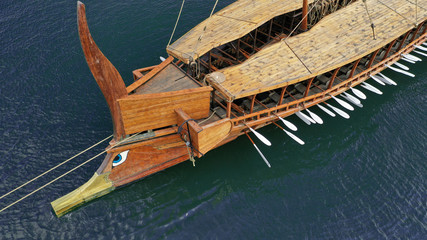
<point x="106" y="75"/>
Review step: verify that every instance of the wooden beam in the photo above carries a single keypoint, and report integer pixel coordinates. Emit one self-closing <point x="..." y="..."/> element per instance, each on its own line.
<point x="334" y="75"/>
<point x="252" y="103"/>
<point x="388" y="49"/>
<point x="308" y="87"/>
<point x="149" y="75"/>
<point x="354" y="68"/>
<point x="282" y="94"/>
<point x="371" y="61"/>
<point x="403" y="41"/>
<point x="228" y="109"/>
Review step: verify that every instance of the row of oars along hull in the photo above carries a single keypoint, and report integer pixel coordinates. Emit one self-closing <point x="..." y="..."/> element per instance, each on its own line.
<point x="132" y="157"/>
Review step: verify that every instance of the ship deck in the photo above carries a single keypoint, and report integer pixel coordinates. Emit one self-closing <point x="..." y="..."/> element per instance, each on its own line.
<point x="338" y="39"/>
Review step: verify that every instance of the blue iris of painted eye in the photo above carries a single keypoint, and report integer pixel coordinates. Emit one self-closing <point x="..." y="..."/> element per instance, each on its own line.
<point x="120" y="158"/>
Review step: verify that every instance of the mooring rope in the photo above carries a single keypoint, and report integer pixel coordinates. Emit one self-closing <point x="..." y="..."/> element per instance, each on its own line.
<point x="176" y="23"/>
<point x="46" y="172"/>
<point x="80" y="165"/>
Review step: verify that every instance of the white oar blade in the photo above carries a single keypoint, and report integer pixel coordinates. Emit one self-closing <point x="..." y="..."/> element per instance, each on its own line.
<point x="400" y="71"/>
<point x="339" y="111"/>
<point x="358" y="93"/>
<point x="297" y="139"/>
<point x="304" y="118"/>
<point x="343" y="103"/>
<point x="425" y="44"/>
<point x="371" y="88"/>
<point x="421" y="48"/>
<point x="407" y="60"/>
<point x="388" y="79"/>
<point x="289" y="124"/>
<point x="162" y="59"/>
<point x="421" y="53"/>
<point x="315" y="117"/>
<point x="326" y="110"/>
<point x="265" y="159"/>
<point x="404" y="67"/>
<point x="377" y="79"/>
<point x="412" y="57"/>
<point x="260" y="137"/>
<point x="352" y="98"/>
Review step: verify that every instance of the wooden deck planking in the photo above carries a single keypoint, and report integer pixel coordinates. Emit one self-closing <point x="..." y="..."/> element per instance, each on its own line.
<point x="231" y="23"/>
<point x="336" y="40"/>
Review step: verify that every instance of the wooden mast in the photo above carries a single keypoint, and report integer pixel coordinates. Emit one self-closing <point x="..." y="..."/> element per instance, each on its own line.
<point x="304" y="15"/>
<point x="106" y="75"/>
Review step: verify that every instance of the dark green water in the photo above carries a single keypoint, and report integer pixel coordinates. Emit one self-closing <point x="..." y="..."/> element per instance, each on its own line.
<point x="362" y="178"/>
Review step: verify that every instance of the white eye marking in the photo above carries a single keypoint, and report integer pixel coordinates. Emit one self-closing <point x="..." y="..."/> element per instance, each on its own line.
<point x="120" y="158"/>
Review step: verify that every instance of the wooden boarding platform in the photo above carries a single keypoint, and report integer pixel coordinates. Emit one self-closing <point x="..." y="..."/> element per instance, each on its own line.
<point x="231" y="23"/>
<point x="169" y="79"/>
<point x="338" y="39"/>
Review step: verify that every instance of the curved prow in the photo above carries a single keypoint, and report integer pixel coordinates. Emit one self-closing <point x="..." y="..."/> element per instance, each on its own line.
<point x="105" y="74"/>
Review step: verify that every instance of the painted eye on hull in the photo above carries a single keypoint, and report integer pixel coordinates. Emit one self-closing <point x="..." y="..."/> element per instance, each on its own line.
<point x="120" y="158"/>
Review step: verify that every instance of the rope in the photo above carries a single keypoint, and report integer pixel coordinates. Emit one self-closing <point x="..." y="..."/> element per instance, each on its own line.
<point x="176" y="23"/>
<point x="370" y="19"/>
<point x="204" y="29"/>
<point x="56" y="166"/>
<point x="54" y="180"/>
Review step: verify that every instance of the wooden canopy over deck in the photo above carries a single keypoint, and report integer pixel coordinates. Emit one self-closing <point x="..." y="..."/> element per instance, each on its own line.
<point x="231" y="23"/>
<point x="336" y="40"/>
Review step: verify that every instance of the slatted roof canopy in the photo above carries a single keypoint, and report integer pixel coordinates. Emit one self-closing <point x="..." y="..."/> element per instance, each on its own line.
<point x="233" y="22"/>
<point x="338" y="39"/>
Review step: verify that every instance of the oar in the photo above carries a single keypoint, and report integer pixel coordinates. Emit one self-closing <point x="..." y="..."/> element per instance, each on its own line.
<point x="297" y="139"/>
<point x="401" y="66"/>
<point x="421" y="53"/>
<point x="260" y="137"/>
<point x="358" y="93"/>
<point x="305" y="118"/>
<point x="343" y="103"/>
<point x="260" y="153"/>
<point x="288" y="124"/>
<point x="388" y="79"/>
<point x="339" y="111"/>
<point x="162" y="59"/>
<point x="352" y="98"/>
<point x="401" y="71"/>
<point x="371" y="88"/>
<point x="376" y="79"/>
<point x="326" y="110"/>
<point x="409" y="61"/>
<point x="412" y="57"/>
<point x="425" y="44"/>
<point x="421" y="48"/>
<point x="314" y="116"/>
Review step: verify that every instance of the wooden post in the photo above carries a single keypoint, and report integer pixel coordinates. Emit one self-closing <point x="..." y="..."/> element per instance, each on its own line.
<point x="304" y="15"/>
<point x="269" y="31"/>
<point x="238" y="49"/>
<point x="415" y="33"/>
<point x="388" y="49"/>
<point x="354" y="68"/>
<point x="228" y="109"/>
<point x="210" y="62"/>
<point x="371" y="61"/>
<point x="403" y="40"/>
<point x="252" y="103"/>
<point x="255" y="37"/>
<point x="282" y="94"/>
<point x="333" y="77"/>
<point x="308" y="87"/>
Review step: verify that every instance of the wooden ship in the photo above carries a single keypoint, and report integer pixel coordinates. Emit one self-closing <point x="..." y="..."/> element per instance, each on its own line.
<point x="251" y="64"/>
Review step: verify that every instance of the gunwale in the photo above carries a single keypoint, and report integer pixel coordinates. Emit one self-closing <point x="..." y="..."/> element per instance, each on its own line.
<point x="316" y="51"/>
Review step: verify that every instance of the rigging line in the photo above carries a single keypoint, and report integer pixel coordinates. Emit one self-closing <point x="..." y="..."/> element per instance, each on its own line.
<point x="54" y="180"/>
<point x="370" y="19"/>
<point x="56" y="166"/>
<point x="176" y="23"/>
<point x="395" y="11"/>
<point x="204" y="30"/>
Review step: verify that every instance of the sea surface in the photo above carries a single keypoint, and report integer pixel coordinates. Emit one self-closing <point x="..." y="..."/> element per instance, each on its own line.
<point x="361" y="178"/>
